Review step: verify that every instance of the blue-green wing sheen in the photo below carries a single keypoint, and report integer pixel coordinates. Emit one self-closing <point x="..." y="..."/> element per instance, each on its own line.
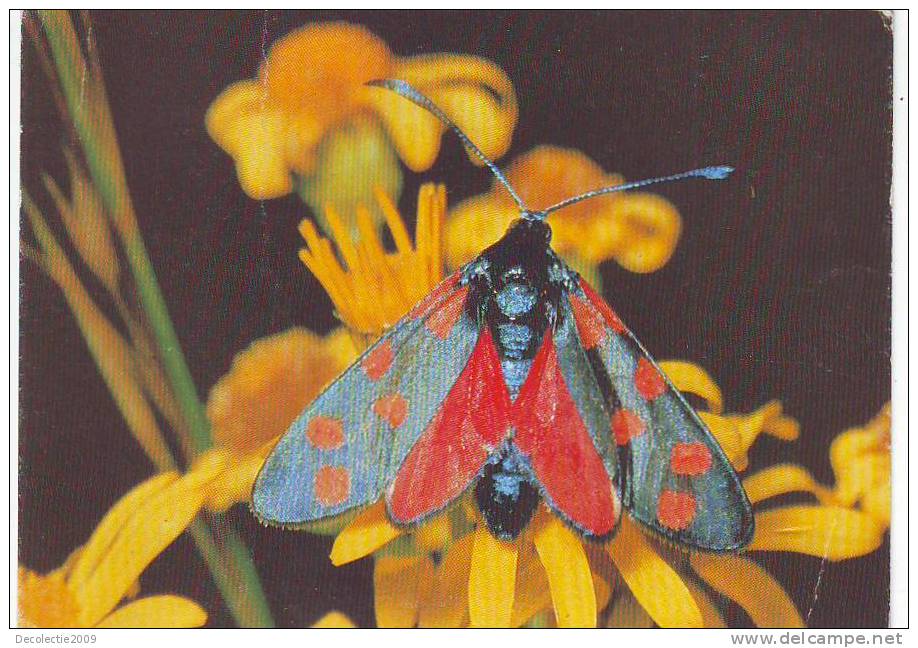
<point x="347" y="446"/>
<point x="673" y="475"/>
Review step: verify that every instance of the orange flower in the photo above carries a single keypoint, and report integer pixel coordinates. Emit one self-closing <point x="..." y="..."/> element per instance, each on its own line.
<point x="311" y="86"/>
<point x="638" y="230"/>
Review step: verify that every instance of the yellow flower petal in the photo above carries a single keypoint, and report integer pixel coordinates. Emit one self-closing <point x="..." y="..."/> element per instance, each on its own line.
<point x="334" y="619"/>
<point x="653" y="227"/>
<point x="484" y="216"/>
<point x="532" y="592"/>
<point x="415" y="133"/>
<point x="261" y="162"/>
<point x="829" y="532"/>
<point x="397" y="587"/>
<point x="366" y="533"/>
<point x="321" y="68"/>
<point x="271" y="382"/>
<point x="709" y="612"/>
<point x="492" y="580"/>
<point x="656" y="585"/>
<point x="153" y="526"/>
<point x="487" y="122"/>
<point x="434" y="534"/>
<point x="350" y="163"/>
<point x="861" y="461"/>
<point x="766" y="602"/>
<point x="626" y="612"/>
<point x="108" y="529"/>
<point x="45" y="601"/>
<point x="569" y="577"/>
<point x="237" y="479"/>
<point x="166" y="611"/>
<point x="689" y="377"/>
<point x="782" y="479"/>
<point x="473" y="91"/>
<point x="878" y="503"/>
<point x="728" y="437"/>
<point x="236" y="101"/>
<point x="448" y="602"/>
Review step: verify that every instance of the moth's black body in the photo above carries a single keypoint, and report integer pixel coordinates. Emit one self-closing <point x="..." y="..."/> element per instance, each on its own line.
<point x="515" y="288"/>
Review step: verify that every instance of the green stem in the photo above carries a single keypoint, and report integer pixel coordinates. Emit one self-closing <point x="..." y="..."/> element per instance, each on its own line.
<point x="230" y="562"/>
<point x="107" y="171"/>
<point x="241" y="588"/>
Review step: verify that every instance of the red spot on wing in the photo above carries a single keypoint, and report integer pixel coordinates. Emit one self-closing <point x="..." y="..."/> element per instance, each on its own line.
<point x="550" y="431"/>
<point x="392" y="408"/>
<point x="590" y="327"/>
<point x="378" y="361"/>
<point x="690" y="459"/>
<point x="675" y="509"/>
<point x="442" y="320"/>
<point x="473" y="420"/>
<point x="605" y="310"/>
<point x="627" y="425"/>
<point x="649" y="382"/>
<point x="332" y="485"/>
<point x="435" y="297"/>
<point x="325" y="433"/>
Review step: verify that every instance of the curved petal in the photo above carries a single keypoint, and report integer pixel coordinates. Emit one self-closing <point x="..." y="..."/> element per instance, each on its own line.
<point x="626" y="612"/>
<point x="858" y="464"/>
<point x="709" y="612"/>
<point x="260" y="154"/>
<point x="101" y="539"/>
<point x="689" y="377"/>
<point x="780" y="480"/>
<point x="236" y="101"/>
<point x="473" y="91"/>
<point x="482" y="215"/>
<point x="321" y="68"/>
<point x="492" y="580"/>
<point x="236" y="482"/>
<point x="485" y="121"/>
<point x="656" y="586"/>
<point x="366" y="533"/>
<point x="532" y="594"/>
<point x="653" y="226"/>
<point x="448" y="603"/>
<point x="877" y="503"/>
<point x="433" y="534"/>
<point x="728" y="437"/>
<point x="829" y="532"/>
<point x="414" y="132"/>
<point x="766" y="602"/>
<point x="569" y="577"/>
<point x="165" y="611"/>
<point x="334" y="619"/>
<point x="154" y="525"/>
<point x="397" y="587"/>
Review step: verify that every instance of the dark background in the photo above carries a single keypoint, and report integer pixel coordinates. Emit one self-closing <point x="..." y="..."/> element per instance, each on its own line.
<point x="780" y="285"/>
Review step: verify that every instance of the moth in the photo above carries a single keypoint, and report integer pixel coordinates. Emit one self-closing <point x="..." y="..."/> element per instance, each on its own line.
<point x="515" y="379"/>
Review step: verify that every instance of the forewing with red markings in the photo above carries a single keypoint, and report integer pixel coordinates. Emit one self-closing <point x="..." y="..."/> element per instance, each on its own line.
<point x="471" y="423"/>
<point x="674" y="477"/>
<point x="345" y="449"/>
<point x="554" y="435"/>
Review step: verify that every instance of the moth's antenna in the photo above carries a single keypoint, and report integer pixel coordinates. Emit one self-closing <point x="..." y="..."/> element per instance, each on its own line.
<point x="405" y="90"/>
<point x="710" y="173"/>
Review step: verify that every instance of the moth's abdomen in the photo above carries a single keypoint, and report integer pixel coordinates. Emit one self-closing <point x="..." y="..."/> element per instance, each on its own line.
<point x="505" y="494"/>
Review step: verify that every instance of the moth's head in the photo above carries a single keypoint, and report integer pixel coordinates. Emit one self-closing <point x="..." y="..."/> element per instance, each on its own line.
<point x="528" y="233"/>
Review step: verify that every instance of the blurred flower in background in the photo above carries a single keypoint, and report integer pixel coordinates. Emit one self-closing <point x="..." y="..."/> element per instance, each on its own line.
<point x="638" y="230"/>
<point x="309" y="123"/>
<point x="86" y="591"/>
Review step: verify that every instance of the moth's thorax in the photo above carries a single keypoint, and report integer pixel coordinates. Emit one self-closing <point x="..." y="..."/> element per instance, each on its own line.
<point x="517" y="283"/>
